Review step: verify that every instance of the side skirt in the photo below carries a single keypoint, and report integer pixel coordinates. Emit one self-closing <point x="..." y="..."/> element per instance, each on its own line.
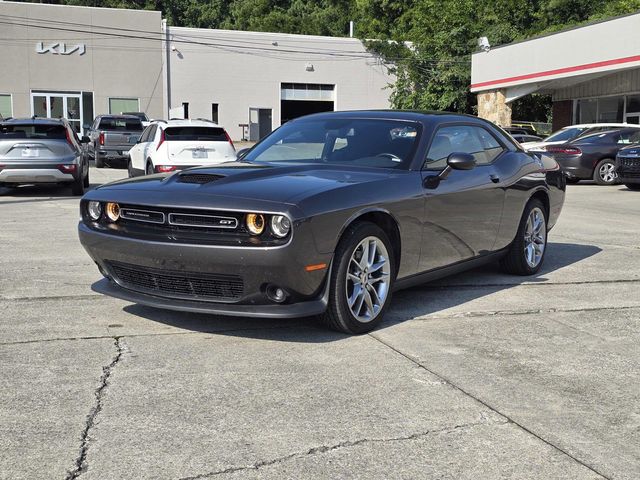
<point x="431" y="275"/>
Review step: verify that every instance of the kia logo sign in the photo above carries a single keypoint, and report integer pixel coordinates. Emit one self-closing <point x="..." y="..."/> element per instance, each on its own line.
<point x="60" y="48"/>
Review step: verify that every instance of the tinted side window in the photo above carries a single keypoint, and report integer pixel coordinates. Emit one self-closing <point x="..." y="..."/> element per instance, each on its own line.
<point x="145" y="135"/>
<point x="629" y="137"/>
<point x="152" y="133"/>
<point x="491" y="146"/>
<point x="475" y="141"/>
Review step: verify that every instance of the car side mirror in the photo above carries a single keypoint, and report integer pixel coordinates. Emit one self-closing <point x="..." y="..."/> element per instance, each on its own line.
<point x="85" y="139"/>
<point x="455" y="161"/>
<point x="461" y="161"/>
<point x="241" y="153"/>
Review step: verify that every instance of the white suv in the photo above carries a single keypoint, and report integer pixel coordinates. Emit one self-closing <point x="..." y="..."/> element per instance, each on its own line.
<point x="177" y="144"/>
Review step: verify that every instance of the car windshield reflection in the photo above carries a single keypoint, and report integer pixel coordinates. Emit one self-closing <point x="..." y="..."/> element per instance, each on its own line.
<point x="363" y="142"/>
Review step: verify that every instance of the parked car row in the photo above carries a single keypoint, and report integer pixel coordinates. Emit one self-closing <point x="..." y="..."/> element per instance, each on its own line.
<point x="589" y="151"/>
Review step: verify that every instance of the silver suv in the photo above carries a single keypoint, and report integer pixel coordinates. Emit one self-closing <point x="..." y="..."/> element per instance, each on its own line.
<point x="42" y="150"/>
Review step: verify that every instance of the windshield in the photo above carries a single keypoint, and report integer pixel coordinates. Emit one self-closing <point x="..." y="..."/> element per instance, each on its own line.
<point x="565" y="134"/>
<point x="31" y="131"/>
<point x="350" y="141"/>
<point x="210" y="134"/>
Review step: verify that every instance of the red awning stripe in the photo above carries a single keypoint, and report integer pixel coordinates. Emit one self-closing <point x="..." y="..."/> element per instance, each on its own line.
<point x="557" y="71"/>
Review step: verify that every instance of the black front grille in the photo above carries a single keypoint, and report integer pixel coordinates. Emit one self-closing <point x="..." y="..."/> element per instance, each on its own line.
<point x="193" y="285"/>
<point x="200" y="178"/>
<point x="209" y="221"/>
<point x="629" y="162"/>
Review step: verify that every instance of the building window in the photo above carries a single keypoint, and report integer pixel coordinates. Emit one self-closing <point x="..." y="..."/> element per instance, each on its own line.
<point x="185" y="110"/>
<point x="119" y="105"/>
<point x="6" y="109"/>
<point x="214" y="112"/>
<point x="600" y="110"/>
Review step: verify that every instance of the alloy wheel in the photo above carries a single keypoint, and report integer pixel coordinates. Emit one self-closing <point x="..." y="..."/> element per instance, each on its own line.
<point x="535" y="237"/>
<point x="368" y="277"/>
<point x="607" y="172"/>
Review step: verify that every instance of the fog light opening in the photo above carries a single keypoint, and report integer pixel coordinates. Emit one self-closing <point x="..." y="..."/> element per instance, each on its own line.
<point x="276" y="294"/>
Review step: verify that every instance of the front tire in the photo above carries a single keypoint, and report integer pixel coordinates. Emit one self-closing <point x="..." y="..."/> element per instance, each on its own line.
<point x="361" y="280"/>
<point x="526" y="253"/>
<point x="632" y="186"/>
<point x="605" y="172"/>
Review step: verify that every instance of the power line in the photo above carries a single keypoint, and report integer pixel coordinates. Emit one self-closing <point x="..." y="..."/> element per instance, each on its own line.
<point x="230" y="47"/>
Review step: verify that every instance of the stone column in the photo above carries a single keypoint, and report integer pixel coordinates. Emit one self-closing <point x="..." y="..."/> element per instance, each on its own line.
<point x="492" y="106"/>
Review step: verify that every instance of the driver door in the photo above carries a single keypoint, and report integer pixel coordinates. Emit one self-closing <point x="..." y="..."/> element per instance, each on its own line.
<point x="463" y="212"/>
<point x="139" y="151"/>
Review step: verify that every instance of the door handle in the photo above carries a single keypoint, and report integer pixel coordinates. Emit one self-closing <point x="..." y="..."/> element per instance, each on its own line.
<point x="494" y="178"/>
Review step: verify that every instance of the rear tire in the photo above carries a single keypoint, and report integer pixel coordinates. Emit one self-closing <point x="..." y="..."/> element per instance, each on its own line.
<point x="605" y="172"/>
<point x="77" y="187"/>
<point x="130" y="169"/>
<point x="150" y="168"/>
<point x="85" y="181"/>
<point x="99" y="161"/>
<point x="361" y="280"/>
<point x="633" y="186"/>
<point x="526" y="253"/>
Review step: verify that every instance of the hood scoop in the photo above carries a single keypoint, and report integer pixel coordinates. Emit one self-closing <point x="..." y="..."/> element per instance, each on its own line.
<point x="199" y="178"/>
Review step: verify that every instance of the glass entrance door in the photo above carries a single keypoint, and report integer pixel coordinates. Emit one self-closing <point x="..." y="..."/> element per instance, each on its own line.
<point x="58" y="105"/>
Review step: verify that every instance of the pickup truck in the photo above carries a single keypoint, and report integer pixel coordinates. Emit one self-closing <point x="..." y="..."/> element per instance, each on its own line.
<point x="112" y="136"/>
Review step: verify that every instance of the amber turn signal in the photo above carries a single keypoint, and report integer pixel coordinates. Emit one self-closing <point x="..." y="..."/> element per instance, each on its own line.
<point x="113" y="211"/>
<point x="255" y="223"/>
<point x="313" y="268"/>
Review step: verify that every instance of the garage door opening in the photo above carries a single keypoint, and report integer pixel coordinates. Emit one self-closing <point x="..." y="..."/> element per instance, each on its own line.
<point x="299" y="99"/>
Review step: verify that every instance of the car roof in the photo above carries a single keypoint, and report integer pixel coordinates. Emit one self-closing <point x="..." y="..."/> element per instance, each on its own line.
<point x="187" y="123"/>
<point x="113" y="115"/>
<point x="591" y="125"/>
<point x="412" y="115"/>
<point x="34" y="121"/>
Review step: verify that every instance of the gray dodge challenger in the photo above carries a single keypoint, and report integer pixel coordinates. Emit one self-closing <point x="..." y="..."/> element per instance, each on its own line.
<point x="328" y="215"/>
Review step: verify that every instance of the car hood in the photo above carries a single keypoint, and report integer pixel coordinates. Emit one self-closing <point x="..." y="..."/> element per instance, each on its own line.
<point x="274" y="184"/>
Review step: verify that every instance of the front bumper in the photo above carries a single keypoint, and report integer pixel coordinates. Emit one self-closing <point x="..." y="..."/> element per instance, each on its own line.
<point x="257" y="268"/>
<point x="295" y="310"/>
<point x="628" y="169"/>
<point x="34" y="175"/>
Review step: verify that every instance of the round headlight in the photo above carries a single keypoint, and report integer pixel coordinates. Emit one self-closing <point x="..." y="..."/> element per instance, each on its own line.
<point x="113" y="211"/>
<point x="255" y="223"/>
<point x="94" y="210"/>
<point x="280" y="226"/>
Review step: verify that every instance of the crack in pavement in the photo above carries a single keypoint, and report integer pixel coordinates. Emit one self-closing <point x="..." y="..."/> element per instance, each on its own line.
<point x="487" y="405"/>
<point x="158" y="334"/>
<point x="328" y="448"/>
<point x="81" y="461"/>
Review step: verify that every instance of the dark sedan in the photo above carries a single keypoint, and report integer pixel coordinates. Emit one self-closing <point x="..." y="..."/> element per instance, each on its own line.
<point x="593" y="156"/>
<point x="326" y="216"/>
<point x="628" y="166"/>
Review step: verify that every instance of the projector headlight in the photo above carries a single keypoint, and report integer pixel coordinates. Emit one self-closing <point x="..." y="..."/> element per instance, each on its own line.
<point x="94" y="210"/>
<point x="113" y="211"/>
<point x="280" y="226"/>
<point x="255" y="223"/>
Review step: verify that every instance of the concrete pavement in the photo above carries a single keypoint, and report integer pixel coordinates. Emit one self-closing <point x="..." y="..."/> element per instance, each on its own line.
<point x="481" y="375"/>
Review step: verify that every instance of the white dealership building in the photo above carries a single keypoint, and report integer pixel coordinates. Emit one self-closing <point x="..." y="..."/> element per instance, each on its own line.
<point x="80" y="62"/>
<point x="592" y="73"/>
